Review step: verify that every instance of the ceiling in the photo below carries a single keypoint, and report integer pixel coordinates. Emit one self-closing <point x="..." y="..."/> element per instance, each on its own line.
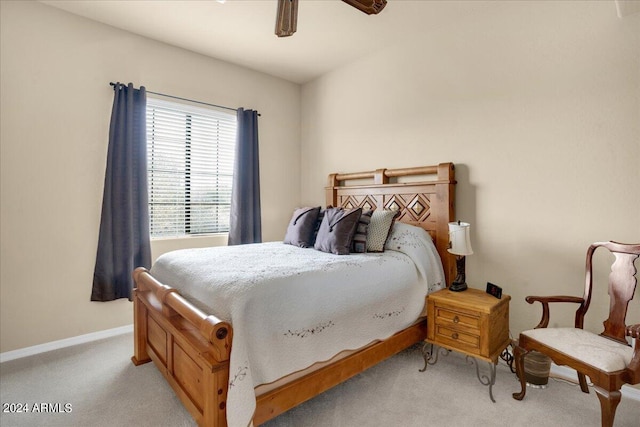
<point x="330" y="33"/>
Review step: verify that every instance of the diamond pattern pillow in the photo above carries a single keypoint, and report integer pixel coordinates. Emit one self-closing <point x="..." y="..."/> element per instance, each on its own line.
<point x="379" y="228"/>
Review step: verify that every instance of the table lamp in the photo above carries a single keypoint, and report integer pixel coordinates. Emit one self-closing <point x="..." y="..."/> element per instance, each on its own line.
<point x="460" y="246"/>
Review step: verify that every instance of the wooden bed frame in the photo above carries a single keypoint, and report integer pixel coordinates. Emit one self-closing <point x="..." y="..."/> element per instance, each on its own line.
<point x="192" y="349"/>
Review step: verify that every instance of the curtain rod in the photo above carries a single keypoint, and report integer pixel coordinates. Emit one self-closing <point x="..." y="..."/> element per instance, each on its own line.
<point x="185" y="99"/>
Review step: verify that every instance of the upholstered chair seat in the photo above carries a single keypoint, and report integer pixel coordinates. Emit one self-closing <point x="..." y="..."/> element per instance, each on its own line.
<point x="601" y="353"/>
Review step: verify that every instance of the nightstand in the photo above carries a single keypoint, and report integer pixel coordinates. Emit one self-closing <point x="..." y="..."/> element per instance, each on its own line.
<point x="471" y="322"/>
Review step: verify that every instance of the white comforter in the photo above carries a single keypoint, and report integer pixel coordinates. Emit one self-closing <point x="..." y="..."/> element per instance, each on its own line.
<point x="292" y="307"/>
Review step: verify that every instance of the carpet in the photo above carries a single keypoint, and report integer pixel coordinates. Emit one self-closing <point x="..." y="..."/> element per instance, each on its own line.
<point x="96" y="384"/>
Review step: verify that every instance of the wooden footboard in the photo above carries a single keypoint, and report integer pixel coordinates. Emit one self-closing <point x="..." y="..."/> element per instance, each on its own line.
<point x="190" y="348"/>
<point x="192" y="351"/>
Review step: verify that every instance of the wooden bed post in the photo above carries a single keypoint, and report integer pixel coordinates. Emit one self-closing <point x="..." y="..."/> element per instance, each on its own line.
<point x="445" y="213"/>
<point x="140" y="354"/>
<point x="380" y="177"/>
<point x="215" y="384"/>
<point x="331" y="192"/>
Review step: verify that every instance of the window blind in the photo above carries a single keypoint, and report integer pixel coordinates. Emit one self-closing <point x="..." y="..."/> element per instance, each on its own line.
<point x="190" y="158"/>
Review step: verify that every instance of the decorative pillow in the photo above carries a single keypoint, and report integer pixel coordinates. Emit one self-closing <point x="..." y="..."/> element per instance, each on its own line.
<point x="318" y="222"/>
<point x="337" y="229"/>
<point x="379" y="228"/>
<point x="301" y="227"/>
<point x="359" y="243"/>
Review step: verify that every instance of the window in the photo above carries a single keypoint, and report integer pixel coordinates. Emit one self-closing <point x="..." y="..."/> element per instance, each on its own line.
<point x="190" y="157"/>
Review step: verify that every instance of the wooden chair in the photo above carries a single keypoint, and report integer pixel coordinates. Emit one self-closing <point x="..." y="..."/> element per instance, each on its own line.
<point x="607" y="359"/>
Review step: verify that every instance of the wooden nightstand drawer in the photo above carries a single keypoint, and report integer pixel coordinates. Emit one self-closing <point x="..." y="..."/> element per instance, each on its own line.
<point x="468" y="319"/>
<point x="457" y="338"/>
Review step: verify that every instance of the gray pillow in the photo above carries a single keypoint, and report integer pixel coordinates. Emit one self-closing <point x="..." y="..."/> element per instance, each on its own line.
<point x="300" y="231"/>
<point x="318" y="222"/>
<point x="337" y="229"/>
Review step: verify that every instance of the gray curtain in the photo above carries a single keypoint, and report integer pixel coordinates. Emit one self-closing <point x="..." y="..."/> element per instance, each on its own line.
<point x="245" y="225"/>
<point x="124" y="243"/>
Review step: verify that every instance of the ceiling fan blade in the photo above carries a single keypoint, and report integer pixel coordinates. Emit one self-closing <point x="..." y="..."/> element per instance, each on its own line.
<point x="287" y="15"/>
<point x="370" y="7"/>
<point x="287" y="18"/>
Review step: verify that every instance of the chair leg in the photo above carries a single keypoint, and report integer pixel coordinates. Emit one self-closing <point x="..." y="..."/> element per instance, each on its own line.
<point x="608" y="403"/>
<point x="518" y="357"/>
<point x="583" y="383"/>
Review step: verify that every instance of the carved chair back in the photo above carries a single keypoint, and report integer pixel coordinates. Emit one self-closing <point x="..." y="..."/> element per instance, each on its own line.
<point x="622" y="285"/>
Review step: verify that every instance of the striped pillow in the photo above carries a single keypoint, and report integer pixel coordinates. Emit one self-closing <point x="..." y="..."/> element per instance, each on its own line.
<point x="359" y="243"/>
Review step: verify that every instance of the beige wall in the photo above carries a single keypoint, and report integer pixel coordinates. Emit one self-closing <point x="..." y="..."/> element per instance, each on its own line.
<point x="55" y="110"/>
<point x="538" y="105"/>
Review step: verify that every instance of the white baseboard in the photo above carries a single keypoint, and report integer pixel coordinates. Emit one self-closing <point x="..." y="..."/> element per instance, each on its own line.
<point x="571" y="375"/>
<point x="67" y="342"/>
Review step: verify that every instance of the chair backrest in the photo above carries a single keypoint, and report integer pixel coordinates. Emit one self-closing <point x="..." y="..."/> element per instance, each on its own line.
<point x="622" y="285"/>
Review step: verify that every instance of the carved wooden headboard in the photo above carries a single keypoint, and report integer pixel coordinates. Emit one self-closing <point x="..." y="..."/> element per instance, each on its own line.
<point x="425" y="203"/>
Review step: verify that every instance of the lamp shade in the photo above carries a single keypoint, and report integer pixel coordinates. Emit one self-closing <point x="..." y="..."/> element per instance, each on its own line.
<point x="459" y="240"/>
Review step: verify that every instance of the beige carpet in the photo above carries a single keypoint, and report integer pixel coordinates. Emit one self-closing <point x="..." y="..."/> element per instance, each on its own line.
<point x="103" y="388"/>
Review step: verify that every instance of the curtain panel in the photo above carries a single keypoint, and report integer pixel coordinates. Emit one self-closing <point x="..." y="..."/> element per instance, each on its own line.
<point x="124" y="242"/>
<point x="245" y="221"/>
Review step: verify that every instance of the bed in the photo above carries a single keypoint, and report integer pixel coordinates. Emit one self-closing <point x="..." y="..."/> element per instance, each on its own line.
<point x="193" y="348"/>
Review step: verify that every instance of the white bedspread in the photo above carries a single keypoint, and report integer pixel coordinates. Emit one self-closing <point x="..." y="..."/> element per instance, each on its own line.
<point x="292" y="307"/>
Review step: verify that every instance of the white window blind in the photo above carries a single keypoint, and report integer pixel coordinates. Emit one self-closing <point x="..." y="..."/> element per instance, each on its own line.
<point x="190" y="157"/>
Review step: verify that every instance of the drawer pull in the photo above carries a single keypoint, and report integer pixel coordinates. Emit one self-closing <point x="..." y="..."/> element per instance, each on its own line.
<point x="456" y="319"/>
<point x="454" y="335"/>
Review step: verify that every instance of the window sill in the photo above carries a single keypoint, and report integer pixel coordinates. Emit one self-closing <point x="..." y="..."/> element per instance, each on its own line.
<point x="191" y="236"/>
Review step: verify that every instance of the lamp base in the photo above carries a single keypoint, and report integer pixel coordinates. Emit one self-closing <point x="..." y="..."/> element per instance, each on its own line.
<point x="458" y="287"/>
<point x="459" y="284"/>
